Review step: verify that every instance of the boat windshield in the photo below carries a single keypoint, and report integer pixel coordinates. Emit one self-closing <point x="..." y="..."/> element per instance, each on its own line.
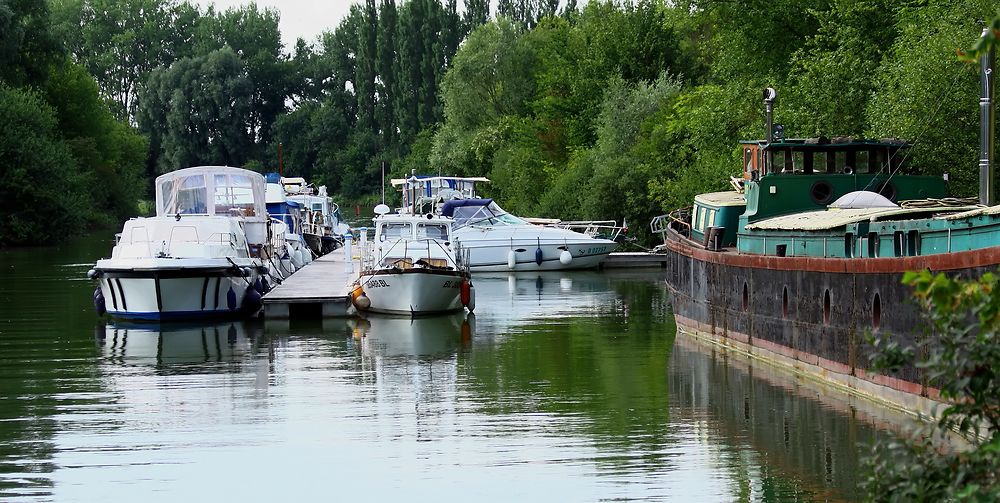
<point x="488" y="215"/>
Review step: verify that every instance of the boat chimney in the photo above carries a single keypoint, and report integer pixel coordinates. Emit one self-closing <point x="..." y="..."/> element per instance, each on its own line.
<point x="987" y="185"/>
<point x="769" y="95"/>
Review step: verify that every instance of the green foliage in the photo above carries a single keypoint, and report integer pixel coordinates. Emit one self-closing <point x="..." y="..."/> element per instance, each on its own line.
<point x="197" y="111"/>
<point x="928" y="96"/>
<point x="39" y="197"/>
<point x="110" y="155"/>
<point x="962" y="361"/>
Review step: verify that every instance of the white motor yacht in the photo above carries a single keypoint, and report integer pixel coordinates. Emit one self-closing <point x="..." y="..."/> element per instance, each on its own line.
<point x="411" y="268"/>
<point x="199" y="257"/>
<point x="499" y="241"/>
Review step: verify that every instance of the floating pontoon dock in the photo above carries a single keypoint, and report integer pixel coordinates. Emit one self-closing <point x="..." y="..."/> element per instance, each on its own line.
<point x="623" y="260"/>
<point x="320" y="289"/>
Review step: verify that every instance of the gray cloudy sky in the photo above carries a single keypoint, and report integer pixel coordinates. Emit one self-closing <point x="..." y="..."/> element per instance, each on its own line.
<point x="299" y="18"/>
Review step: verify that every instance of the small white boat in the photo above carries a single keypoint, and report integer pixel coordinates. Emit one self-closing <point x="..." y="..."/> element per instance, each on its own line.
<point x="499" y="241"/>
<point x="199" y="257"/>
<point x="411" y="268"/>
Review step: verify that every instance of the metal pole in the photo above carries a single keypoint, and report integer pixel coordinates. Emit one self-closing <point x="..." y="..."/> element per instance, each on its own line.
<point x="769" y="96"/>
<point x="987" y="185"/>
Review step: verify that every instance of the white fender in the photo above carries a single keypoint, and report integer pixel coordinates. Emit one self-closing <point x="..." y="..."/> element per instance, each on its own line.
<point x="511" y="260"/>
<point x="565" y="257"/>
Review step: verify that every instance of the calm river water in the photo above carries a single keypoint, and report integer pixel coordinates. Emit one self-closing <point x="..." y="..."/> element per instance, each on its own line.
<point x="563" y="387"/>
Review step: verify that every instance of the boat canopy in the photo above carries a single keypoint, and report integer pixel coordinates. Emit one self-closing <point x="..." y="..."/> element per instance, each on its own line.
<point x="210" y="190"/>
<point x="483" y="212"/>
<point x="448" y="209"/>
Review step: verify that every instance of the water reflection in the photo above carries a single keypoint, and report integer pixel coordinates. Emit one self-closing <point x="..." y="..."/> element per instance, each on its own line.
<point x="570" y="384"/>
<point x="788" y="438"/>
<point x="433" y="336"/>
<point x="171" y="344"/>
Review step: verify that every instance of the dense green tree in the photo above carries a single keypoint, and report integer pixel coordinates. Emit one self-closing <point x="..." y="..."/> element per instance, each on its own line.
<point x="109" y="154"/>
<point x="39" y="197"/>
<point x="254" y="36"/>
<point x="387" y="70"/>
<point x="121" y="42"/>
<point x="197" y="111"/>
<point x="926" y="95"/>
<point x="477" y="12"/>
<point x="27" y="42"/>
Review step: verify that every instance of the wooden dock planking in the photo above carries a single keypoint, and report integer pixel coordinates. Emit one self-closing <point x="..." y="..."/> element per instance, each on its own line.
<point x="321" y="287"/>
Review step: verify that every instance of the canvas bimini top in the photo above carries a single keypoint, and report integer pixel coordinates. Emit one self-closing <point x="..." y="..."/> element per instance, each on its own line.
<point x="211" y="190"/>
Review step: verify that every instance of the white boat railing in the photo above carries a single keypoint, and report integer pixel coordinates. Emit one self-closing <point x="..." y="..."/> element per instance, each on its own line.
<point x="604" y="229"/>
<point x="427" y="252"/>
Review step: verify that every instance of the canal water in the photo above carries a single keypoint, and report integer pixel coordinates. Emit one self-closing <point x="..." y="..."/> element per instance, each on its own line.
<point x="562" y="387"/>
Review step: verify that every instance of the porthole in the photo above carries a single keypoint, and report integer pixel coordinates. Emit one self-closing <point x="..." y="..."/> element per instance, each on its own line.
<point x="826" y="306"/>
<point x="821" y="192"/>
<point x="784" y="302"/>
<point x="876" y="312"/>
<point x="746" y="296"/>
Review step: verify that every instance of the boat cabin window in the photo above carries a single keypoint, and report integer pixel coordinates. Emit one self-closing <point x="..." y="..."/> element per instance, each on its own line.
<point x="192" y="196"/>
<point x="233" y="192"/>
<point x="396" y="231"/>
<point x="432" y="231"/>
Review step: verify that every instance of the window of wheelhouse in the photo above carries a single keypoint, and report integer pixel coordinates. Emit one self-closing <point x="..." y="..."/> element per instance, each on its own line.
<point x="396" y="231"/>
<point x="432" y="231"/>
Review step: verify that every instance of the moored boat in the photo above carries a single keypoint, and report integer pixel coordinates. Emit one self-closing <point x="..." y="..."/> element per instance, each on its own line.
<point x="411" y="268"/>
<point x="322" y="227"/>
<point x="806" y="255"/>
<point x="499" y="241"/>
<point x="199" y="257"/>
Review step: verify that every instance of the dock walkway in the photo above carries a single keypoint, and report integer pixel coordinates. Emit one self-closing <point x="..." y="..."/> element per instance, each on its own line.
<point x="320" y="289"/>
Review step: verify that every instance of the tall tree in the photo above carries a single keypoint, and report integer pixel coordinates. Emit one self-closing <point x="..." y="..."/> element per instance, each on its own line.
<point x="254" y="36"/>
<point x="477" y="12"/>
<point x="27" y="44"/>
<point x="388" y="69"/>
<point x="121" y="42"/>
<point x="197" y="111"/>
<point x="365" y="67"/>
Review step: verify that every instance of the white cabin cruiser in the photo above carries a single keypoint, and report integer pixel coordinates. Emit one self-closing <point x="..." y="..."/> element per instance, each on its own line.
<point x="499" y="241"/>
<point x="410" y="268"/>
<point x="199" y="257"/>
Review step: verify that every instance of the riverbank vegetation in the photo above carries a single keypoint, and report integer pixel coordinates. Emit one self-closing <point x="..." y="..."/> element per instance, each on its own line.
<point x="961" y="357"/>
<point x="605" y="110"/>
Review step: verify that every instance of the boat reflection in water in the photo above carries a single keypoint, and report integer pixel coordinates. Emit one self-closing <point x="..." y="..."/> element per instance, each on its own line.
<point x="158" y="344"/>
<point x="396" y="336"/>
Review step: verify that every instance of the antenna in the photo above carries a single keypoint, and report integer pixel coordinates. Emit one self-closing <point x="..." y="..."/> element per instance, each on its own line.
<point x="383" y="182"/>
<point x="281" y="164"/>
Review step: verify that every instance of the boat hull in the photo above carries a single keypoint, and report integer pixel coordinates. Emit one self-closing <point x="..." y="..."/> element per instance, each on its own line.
<point x="176" y="293"/>
<point x="493" y="253"/>
<point x="413" y="291"/>
<point x="811" y="315"/>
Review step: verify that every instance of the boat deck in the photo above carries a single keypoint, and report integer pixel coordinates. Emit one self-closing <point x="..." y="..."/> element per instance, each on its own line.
<point x="321" y="289"/>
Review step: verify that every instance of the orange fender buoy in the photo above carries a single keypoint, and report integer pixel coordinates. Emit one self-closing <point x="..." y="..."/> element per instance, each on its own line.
<point x="466" y="293"/>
